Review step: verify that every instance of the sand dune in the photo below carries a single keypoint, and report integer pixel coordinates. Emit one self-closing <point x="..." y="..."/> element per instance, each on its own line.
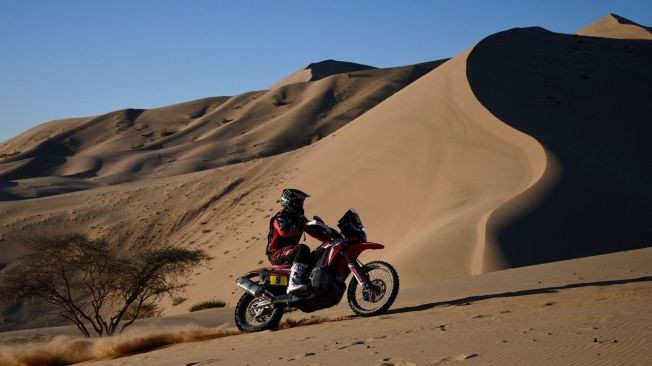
<point x="526" y="148"/>
<point x="136" y="144"/>
<point x="615" y="26"/>
<point x="320" y="70"/>
<point x="420" y="168"/>
<point x="575" y="97"/>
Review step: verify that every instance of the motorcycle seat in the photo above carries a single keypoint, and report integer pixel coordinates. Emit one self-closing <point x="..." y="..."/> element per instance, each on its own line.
<point x="277" y="267"/>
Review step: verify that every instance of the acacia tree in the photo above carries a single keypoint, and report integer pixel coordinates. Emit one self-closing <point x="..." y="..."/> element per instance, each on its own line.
<point x="92" y="284"/>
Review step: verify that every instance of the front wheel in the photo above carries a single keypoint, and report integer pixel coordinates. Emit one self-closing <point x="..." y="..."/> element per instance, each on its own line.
<point x="380" y="294"/>
<point x="253" y="314"/>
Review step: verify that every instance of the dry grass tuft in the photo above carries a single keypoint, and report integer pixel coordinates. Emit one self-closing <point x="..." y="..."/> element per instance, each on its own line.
<point x="178" y="300"/>
<point x="208" y="304"/>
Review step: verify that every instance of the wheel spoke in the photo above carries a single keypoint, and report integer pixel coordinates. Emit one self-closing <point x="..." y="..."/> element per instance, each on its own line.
<point x="258" y="312"/>
<point x="377" y="294"/>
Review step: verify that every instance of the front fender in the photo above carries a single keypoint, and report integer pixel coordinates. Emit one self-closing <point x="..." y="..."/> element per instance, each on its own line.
<point x="353" y="251"/>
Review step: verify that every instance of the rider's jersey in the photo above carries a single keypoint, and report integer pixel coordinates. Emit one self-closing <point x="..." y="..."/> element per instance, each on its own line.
<point x="285" y="229"/>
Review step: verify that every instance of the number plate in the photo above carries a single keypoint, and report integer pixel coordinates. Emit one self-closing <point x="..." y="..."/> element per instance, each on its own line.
<point x="278" y="280"/>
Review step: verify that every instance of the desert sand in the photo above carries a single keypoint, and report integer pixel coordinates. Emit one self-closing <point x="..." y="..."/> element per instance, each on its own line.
<point x="526" y="149"/>
<point x="592" y="310"/>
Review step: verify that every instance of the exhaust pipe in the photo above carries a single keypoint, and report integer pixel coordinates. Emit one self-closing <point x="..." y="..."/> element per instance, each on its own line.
<point x="258" y="291"/>
<point x="250" y="286"/>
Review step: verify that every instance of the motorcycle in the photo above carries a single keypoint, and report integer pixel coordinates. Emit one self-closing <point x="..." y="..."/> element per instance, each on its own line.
<point x="371" y="291"/>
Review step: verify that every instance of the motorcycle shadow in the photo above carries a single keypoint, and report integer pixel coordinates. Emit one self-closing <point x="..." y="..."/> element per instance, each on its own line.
<point x="473" y="299"/>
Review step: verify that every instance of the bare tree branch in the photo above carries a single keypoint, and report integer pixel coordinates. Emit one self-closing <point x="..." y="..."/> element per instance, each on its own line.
<point x="92" y="284"/>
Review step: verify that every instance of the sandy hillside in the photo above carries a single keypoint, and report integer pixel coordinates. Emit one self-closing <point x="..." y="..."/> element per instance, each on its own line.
<point x="589" y="106"/>
<point x="223" y="210"/>
<point x="593" y="311"/>
<point x="429" y="187"/>
<point x="446" y="171"/>
<point x="576" y="184"/>
<point x="136" y="144"/>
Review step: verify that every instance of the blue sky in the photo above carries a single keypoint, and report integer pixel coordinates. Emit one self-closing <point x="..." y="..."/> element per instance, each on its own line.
<point x="61" y="59"/>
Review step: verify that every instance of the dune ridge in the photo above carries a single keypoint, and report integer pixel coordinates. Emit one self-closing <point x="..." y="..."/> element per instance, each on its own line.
<point x="136" y="144"/>
<point x="320" y="70"/>
<point x="615" y="26"/>
<point x="430" y="198"/>
<point x="600" y="202"/>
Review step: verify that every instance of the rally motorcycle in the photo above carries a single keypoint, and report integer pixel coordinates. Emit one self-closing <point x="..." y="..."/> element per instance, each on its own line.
<point x="371" y="291"/>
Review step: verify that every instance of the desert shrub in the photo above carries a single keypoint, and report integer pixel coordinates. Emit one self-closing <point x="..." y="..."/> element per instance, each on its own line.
<point x="149" y="310"/>
<point x="209" y="304"/>
<point x="281" y="98"/>
<point x="178" y="300"/>
<point x="93" y="285"/>
<point x="278" y="103"/>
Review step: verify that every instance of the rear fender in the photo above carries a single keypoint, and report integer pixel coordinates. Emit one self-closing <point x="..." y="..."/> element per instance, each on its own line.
<point x="255" y="272"/>
<point x="262" y="273"/>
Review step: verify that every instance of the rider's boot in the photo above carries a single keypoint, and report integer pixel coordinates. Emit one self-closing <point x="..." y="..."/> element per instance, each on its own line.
<point x="296" y="273"/>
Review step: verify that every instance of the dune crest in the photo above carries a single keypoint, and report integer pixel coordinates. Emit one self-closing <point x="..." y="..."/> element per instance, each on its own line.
<point x="615" y="26"/>
<point x="572" y="94"/>
<point x="319" y="70"/>
<point x="425" y="169"/>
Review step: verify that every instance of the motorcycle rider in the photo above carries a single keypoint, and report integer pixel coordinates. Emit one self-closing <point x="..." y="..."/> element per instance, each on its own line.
<point x="285" y="230"/>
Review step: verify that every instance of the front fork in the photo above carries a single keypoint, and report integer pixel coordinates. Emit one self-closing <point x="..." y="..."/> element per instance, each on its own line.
<point x="356" y="269"/>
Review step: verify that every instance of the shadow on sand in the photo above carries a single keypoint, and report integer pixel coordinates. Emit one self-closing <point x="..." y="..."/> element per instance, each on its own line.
<point x="546" y="290"/>
<point x="573" y="95"/>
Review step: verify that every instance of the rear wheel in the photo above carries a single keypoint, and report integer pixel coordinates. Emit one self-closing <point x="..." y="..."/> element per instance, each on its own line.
<point x="379" y="295"/>
<point x="253" y="314"/>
